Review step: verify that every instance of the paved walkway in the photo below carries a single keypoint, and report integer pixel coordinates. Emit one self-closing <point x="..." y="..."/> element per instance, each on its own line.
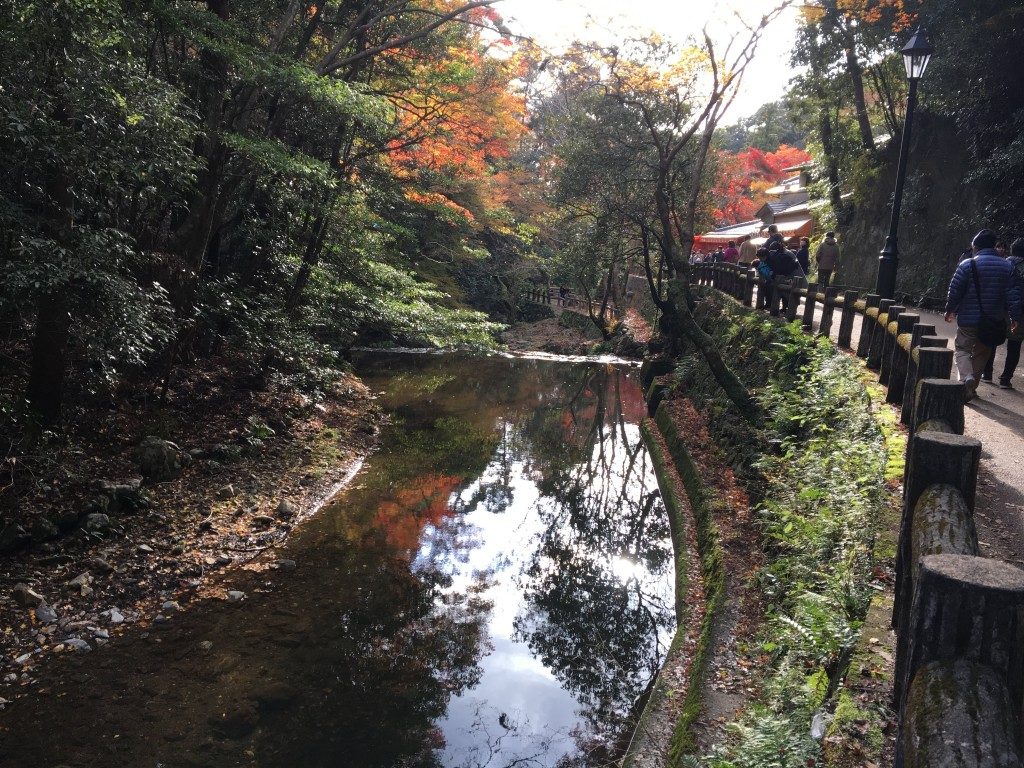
<point x="996" y="418"/>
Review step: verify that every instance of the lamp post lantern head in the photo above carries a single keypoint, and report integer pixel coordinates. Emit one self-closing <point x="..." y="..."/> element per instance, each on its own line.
<point x="917" y="53"/>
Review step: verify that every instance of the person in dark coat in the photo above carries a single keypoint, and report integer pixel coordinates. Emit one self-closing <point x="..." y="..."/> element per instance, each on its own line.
<point x="783" y="263"/>
<point x="982" y="288"/>
<point x="1014" y="338"/>
<point x="804" y="255"/>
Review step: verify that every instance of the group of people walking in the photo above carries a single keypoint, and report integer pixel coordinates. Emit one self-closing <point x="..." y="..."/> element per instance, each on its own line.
<point x="775" y="259"/>
<point x="985" y="297"/>
<point x="986" y="294"/>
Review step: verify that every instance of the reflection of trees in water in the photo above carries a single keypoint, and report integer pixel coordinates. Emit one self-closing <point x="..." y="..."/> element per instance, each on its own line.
<point x="596" y="604"/>
<point x="388" y="649"/>
<point x="509" y="740"/>
<point x="593" y="614"/>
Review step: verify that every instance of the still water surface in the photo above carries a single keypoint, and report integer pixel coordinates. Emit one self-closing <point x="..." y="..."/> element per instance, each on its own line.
<point x="552" y="536"/>
<point x="494" y="589"/>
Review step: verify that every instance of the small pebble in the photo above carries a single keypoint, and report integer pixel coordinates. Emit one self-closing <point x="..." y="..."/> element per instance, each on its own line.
<point x="234" y="596"/>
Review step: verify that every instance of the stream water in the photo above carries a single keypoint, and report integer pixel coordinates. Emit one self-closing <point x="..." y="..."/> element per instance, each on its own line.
<point x="494" y="589"/>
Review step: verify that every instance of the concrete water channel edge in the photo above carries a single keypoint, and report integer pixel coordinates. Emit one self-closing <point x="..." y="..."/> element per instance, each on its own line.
<point x="958" y="617"/>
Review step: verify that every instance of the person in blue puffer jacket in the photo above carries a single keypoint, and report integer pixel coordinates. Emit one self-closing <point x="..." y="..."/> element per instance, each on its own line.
<point x="1000" y="296"/>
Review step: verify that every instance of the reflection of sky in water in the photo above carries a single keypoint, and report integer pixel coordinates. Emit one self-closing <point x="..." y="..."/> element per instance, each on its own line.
<point x="519" y="709"/>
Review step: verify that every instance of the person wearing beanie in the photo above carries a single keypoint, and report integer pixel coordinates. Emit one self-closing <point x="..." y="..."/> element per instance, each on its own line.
<point x="981" y="295"/>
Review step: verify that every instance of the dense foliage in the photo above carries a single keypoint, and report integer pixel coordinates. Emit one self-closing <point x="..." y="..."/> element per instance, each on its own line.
<point x="262" y="182"/>
<point x="817" y="477"/>
<point x="967" y="162"/>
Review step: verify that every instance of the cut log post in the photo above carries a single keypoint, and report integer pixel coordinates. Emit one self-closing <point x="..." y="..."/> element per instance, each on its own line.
<point x="807" y="323"/>
<point x="878" y="330"/>
<point x="959" y="715"/>
<point x="899" y="360"/>
<point x="871" y="302"/>
<point x="918" y="332"/>
<point x="888" y="342"/>
<point x="828" y="308"/>
<point x="930" y="360"/>
<point x="795" y="286"/>
<point x="933" y="458"/>
<point x="942" y="524"/>
<point x="846" y="319"/>
<point x="772" y="292"/>
<point x="938" y="399"/>
<point x="748" y="287"/>
<point x="968" y="608"/>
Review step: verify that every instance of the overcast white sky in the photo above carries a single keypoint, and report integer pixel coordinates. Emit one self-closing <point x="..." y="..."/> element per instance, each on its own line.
<point x="553" y="23"/>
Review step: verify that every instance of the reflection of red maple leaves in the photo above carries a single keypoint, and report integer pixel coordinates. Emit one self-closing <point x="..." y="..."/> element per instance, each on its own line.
<point x="744" y="177"/>
<point x="409" y="510"/>
<point x="634" y="407"/>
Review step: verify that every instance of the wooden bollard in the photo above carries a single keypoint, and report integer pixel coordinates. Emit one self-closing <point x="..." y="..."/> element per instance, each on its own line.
<point x="888" y="342"/>
<point x="932" y="459"/>
<point x="807" y="323"/>
<point x="878" y="330"/>
<point x="773" y="292"/>
<point x="846" y="319"/>
<point x="899" y="359"/>
<point x="942" y="524"/>
<point x="930" y="360"/>
<point x="871" y="302"/>
<point x="958" y="714"/>
<point x="828" y="308"/>
<point x="969" y="608"/>
<point x="795" y="286"/>
<point x="941" y="400"/>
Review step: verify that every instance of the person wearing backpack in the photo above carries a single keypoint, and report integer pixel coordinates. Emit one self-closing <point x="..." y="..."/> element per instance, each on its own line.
<point x="783" y="263"/>
<point x="982" y="294"/>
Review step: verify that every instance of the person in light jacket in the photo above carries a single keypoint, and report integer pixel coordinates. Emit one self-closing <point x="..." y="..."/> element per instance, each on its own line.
<point x="748" y="251"/>
<point x="992" y="295"/>
<point x="827" y="257"/>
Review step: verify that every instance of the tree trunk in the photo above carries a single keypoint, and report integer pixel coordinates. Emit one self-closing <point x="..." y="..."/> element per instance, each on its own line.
<point x="682" y="323"/>
<point x="856" y="73"/>
<point x="45" y="390"/>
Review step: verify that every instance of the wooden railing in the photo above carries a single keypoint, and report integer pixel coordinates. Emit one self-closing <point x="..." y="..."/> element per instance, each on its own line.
<point x="553" y="297"/>
<point x="958" y="617"/>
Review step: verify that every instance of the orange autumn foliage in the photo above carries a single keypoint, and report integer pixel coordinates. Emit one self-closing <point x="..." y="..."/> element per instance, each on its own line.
<point x="744" y="177"/>
<point x="459" y="121"/>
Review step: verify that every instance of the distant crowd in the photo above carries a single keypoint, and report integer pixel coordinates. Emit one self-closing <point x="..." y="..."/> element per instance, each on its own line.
<point x="774" y="259"/>
<point x="985" y="295"/>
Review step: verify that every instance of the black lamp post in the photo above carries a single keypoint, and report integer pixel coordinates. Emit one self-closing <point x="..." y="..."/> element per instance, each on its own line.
<point x="916" y="55"/>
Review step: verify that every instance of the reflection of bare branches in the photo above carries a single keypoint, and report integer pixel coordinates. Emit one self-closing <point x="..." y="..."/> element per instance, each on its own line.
<point x="599" y="589"/>
<point x="503" y="740"/>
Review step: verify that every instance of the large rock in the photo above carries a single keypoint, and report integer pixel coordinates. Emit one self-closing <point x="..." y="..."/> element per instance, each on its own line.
<point x="12" y="538"/>
<point x="123" y="497"/>
<point x="44" y="529"/>
<point x="26" y="597"/>
<point x="158" y="460"/>
<point x="96" y="522"/>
